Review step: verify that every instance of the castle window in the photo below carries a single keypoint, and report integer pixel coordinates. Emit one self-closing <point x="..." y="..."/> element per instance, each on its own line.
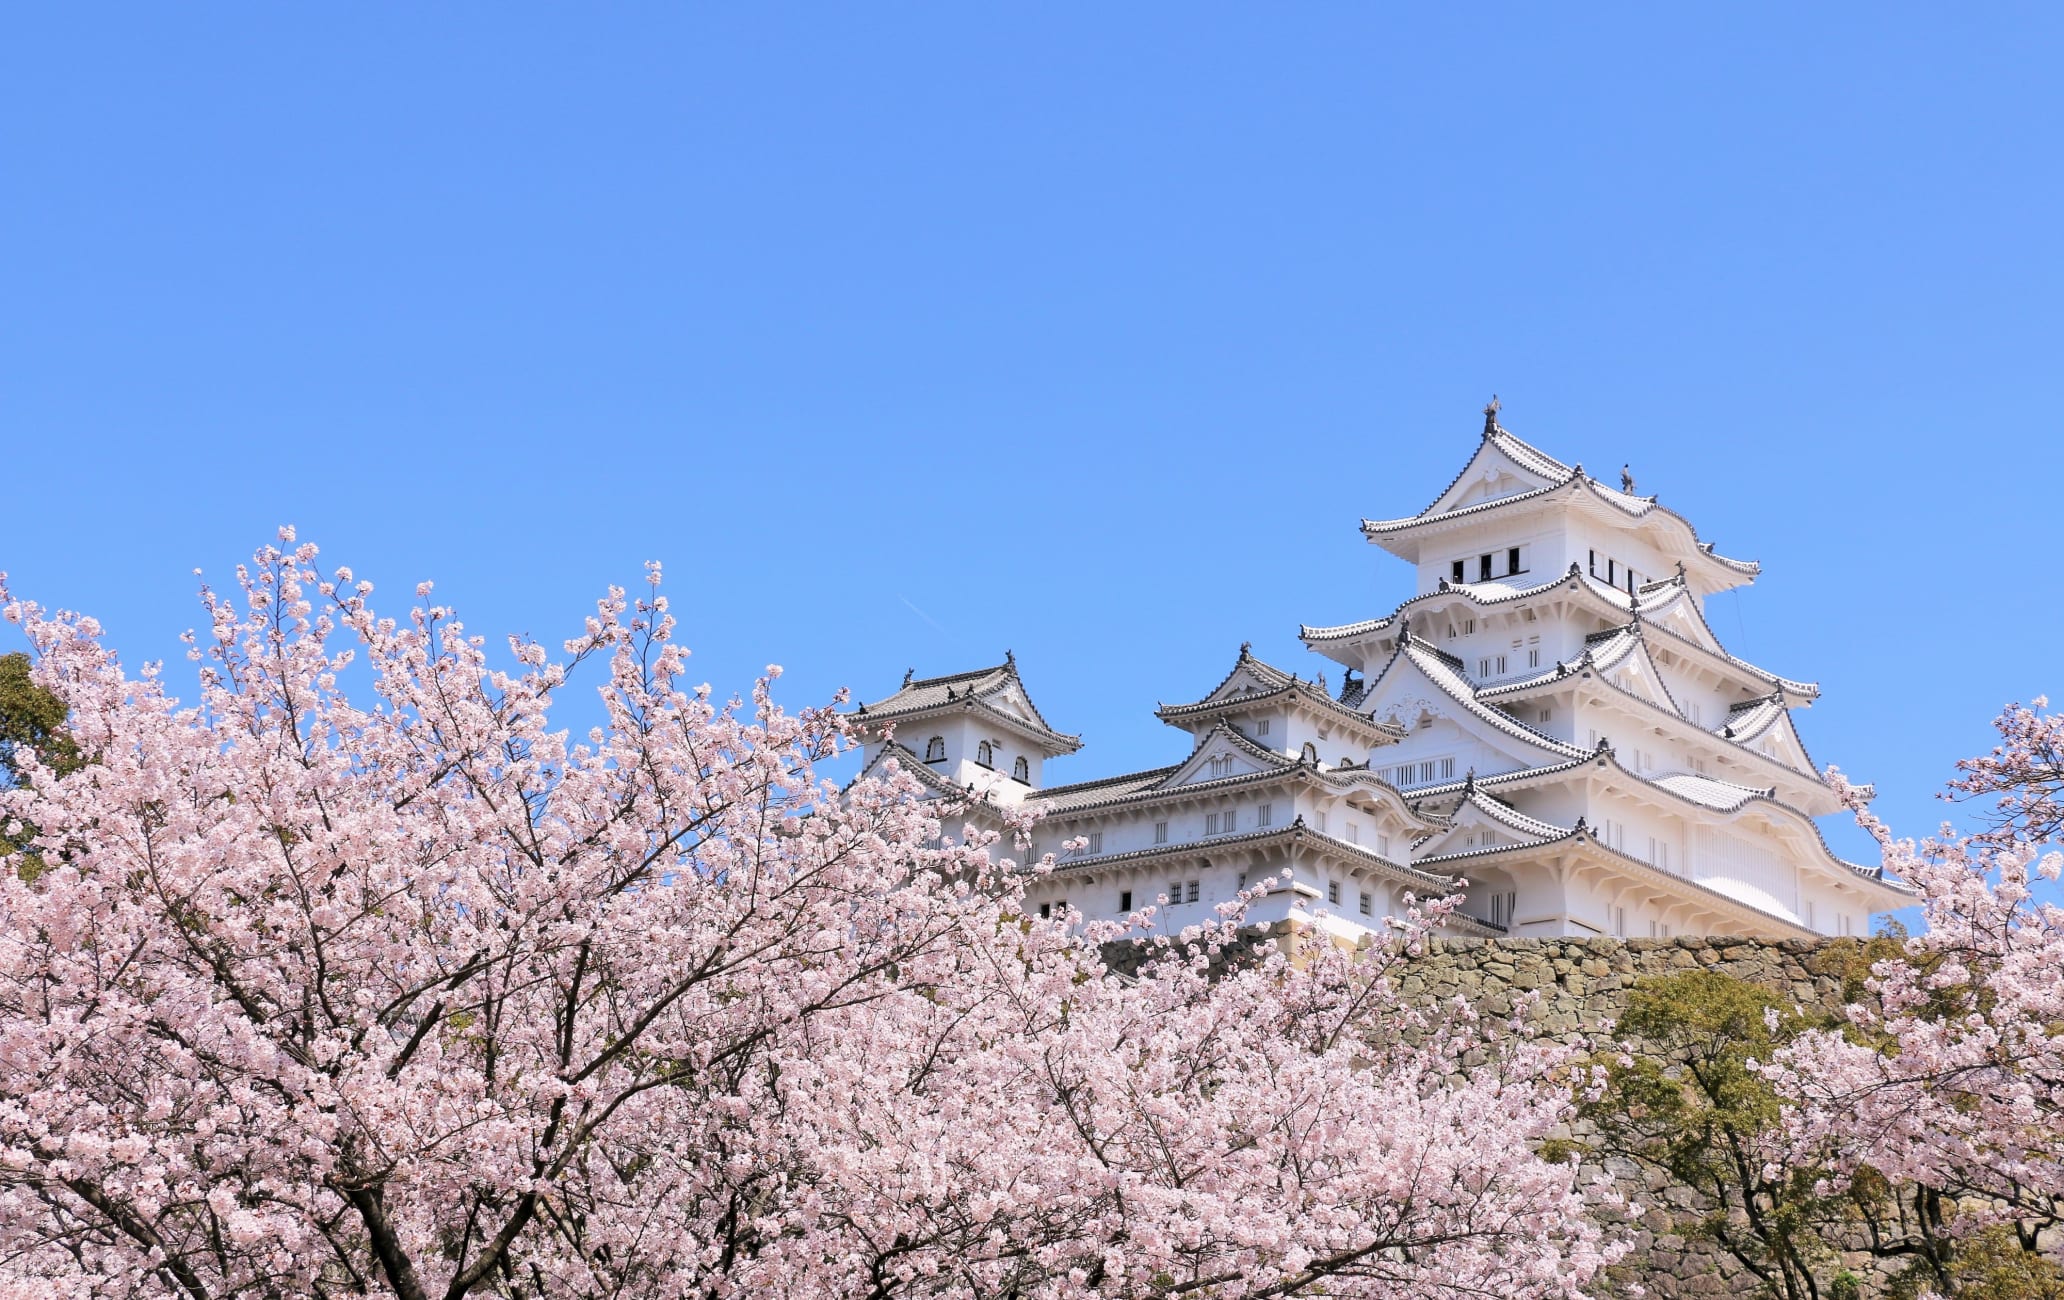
<point x="1594" y="563"/>
<point x="1261" y="727"/>
<point x="1367" y="907"/>
<point x="1610" y="580"/>
<point x="1021" y="769"/>
<point x="1320" y="822"/>
<point x="1211" y="823"/>
<point x="1455" y="571"/>
<point x="1383" y="845"/>
<point x="1160" y="832"/>
<point x="1354" y="836"/>
<point x="1483" y="568"/>
<point x="1175" y="891"/>
<point x="1191" y="896"/>
<point x="1045" y="911"/>
<point x="1512" y="560"/>
<point x="1125" y="900"/>
<point x="1265" y="815"/>
<point x="985" y="755"/>
<point x="935" y="750"/>
<point x="1096" y="842"/>
<point x="1533" y="657"/>
<point x="1310" y="752"/>
<point x="1333" y="892"/>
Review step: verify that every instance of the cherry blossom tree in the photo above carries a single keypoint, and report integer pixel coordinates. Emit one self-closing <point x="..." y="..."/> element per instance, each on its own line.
<point x="398" y="990"/>
<point x="1950" y="1079"/>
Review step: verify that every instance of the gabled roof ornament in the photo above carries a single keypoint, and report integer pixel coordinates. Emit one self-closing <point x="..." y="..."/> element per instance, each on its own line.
<point x="908" y="673"/>
<point x="1490" y="416"/>
<point x="1246" y="649"/>
<point x="1010" y="659"/>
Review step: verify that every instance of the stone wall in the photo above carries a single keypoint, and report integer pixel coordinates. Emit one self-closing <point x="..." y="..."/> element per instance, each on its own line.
<point x="1582" y="985"/>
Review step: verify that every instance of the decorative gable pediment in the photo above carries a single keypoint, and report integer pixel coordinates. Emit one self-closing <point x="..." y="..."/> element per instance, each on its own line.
<point x="1490" y="476"/>
<point x="1636" y="673"/>
<point x="1221" y="754"/>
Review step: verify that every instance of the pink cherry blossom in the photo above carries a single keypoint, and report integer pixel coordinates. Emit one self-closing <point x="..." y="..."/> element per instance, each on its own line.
<point x="1951" y="1078"/>
<point x="406" y="990"/>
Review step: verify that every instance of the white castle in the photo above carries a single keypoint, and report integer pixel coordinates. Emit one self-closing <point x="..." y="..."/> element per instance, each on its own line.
<point x="1549" y="721"/>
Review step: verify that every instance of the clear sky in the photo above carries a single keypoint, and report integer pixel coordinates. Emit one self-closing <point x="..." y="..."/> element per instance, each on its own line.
<point x="907" y="333"/>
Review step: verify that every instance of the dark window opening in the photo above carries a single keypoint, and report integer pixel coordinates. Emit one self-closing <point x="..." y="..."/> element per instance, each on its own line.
<point x="1125" y="900"/>
<point x="1455" y="572"/>
<point x="1610" y="580"/>
<point x="1512" y="560"/>
<point x="1046" y="911"/>
<point x="1594" y="564"/>
<point x="1483" y="568"/>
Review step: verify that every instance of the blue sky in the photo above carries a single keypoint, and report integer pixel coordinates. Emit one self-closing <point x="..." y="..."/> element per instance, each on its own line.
<point x="905" y="334"/>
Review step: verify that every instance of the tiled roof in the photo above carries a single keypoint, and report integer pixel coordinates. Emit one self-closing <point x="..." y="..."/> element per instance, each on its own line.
<point x="1515" y="777"/>
<point x="1691" y="787"/>
<point x="1444" y="671"/>
<point x="1296" y="830"/>
<point x="1728" y="902"/>
<point x="930" y="692"/>
<point x="1110" y="789"/>
<point x="1572" y="477"/>
<point x="1724" y="796"/>
<point x="1512" y="818"/>
<point x="1276" y="683"/>
<point x="909" y="762"/>
<point x="979" y="688"/>
<point x="1142" y="786"/>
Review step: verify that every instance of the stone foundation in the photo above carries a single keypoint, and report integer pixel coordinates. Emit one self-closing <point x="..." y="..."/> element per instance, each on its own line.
<point x="1583" y="985"/>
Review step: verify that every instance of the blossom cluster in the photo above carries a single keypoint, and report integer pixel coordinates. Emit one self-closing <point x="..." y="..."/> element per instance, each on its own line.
<point x="399" y="989"/>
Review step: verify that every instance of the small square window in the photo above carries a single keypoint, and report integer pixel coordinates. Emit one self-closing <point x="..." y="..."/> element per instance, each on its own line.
<point x="1261" y="727"/>
<point x="1265" y="815"/>
<point x="1368" y="905"/>
<point x="1193" y="892"/>
<point x="1333" y="892"/>
<point x="1096" y="841"/>
<point x="1160" y="832"/>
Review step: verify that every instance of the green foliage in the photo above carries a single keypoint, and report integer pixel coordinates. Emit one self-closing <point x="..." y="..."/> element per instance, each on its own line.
<point x="1691" y="1104"/>
<point x="31" y="719"/>
<point x="1991" y="1265"/>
